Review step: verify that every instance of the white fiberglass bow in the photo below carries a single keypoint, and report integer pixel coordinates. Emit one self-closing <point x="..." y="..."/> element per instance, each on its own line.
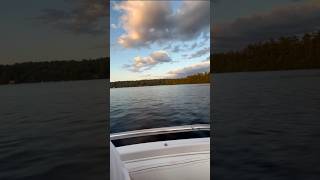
<point x="184" y="159"/>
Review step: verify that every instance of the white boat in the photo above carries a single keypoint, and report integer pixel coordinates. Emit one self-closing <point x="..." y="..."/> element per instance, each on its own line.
<point x="180" y="159"/>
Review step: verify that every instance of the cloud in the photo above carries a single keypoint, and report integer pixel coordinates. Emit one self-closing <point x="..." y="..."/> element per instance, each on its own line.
<point x="294" y="19"/>
<point x="168" y="47"/>
<point x="205" y="38"/>
<point x="147" y="22"/>
<point x="200" y="67"/>
<point x="200" y="53"/>
<point x="141" y="64"/>
<point x="194" y="45"/>
<point x="176" y="49"/>
<point x="114" y="26"/>
<point x="82" y="17"/>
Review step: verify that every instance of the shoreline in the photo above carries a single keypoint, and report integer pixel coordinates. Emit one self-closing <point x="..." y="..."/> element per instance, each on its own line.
<point x="46" y="82"/>
<point x="161" y="85"/>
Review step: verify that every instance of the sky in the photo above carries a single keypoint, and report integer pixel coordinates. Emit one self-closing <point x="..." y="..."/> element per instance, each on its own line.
<point x="242" y="22"/>
<point x="155" y="40"/>
<point x="158" y="39"/>
<point x="45" y="30"/>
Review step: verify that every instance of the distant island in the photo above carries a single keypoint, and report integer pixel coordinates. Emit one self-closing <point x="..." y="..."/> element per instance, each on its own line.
<point x="193" y="79"/>
<point x="67" y="70"/>
<point x="285" y="53"/>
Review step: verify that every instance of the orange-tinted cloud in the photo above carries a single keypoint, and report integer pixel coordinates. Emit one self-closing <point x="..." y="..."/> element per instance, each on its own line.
<point x="147" y="22"/>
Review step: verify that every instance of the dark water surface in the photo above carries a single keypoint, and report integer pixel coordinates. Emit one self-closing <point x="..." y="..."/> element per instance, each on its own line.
<point x="53" y="131"/>
<point x="267" y="125"/>
<point x="158" y="106"/>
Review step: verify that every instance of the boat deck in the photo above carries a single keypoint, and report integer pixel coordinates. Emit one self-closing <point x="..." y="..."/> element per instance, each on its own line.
<point x="186" y="159"/>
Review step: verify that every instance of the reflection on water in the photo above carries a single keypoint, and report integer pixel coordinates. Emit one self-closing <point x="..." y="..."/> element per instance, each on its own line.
<point x="158" y="106"/>
<point x="53" y="131"/>
<point x="267" y="125"/>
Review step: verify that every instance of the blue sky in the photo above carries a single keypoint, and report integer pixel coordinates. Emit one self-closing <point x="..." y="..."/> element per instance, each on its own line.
<point x="175" y="52"/>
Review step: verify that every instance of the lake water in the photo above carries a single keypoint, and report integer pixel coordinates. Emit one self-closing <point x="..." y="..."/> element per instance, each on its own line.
<point x="53" y="131"/>
<point x="158" y="106"/>
<point x="266" y="125"/>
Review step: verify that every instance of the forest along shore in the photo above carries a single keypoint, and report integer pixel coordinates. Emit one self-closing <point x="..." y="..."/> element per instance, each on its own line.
<point x="199" y="78"/>
<point x="67" y="70"/>
<point x="285" y="53"/>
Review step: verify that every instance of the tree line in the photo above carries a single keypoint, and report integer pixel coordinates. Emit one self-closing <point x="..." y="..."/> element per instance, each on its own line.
<point x="28" y="72"/>
<point x="192" y="79"/>
<point x="285" y="53"/>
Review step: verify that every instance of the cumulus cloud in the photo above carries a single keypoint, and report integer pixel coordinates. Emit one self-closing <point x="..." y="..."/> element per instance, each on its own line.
<point x="145" y="63"/>
<point x="147" y="22"/>
<point x="82" y="17"/>
<point x="200" y="67"/>
<point x="293" y="19"/>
